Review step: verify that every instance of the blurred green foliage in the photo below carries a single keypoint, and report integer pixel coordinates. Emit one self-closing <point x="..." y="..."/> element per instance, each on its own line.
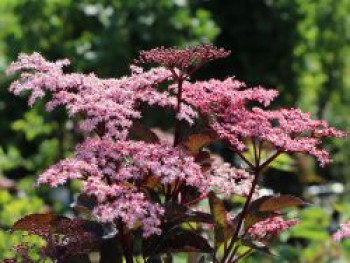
<point x="299" y="47"/>
<point x="12" y="208"/>
<point x="9" y="241"/>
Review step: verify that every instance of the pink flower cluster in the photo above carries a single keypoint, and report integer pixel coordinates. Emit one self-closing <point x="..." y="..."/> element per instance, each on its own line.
<point x="124" y="202"/>
<point x="229" y="180"/>
<point x="110" y="103"/>
<point x="226" y="104"/>
<point x="343" y="232"/>
<point x="114" y="171"/>
<point x="182" y="59"/>
<point x="271" y="227"/>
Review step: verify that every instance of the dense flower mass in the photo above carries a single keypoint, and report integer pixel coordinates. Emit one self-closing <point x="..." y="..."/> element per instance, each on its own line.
<point x="271" y="227"/>
<point x="120" y="161"/>
<point x="110" y="102"/>
<point x="126" y="203"/>
<point x="227" y="104"/>
<point x="182" y="59"/>
<point x="114" y="172"/>
<point x="343" y="232"/>
<point x="229" y="180"/>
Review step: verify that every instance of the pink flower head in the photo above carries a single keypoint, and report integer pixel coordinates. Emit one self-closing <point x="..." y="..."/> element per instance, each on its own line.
<point x="121" y="161"/>
<point x="226" y="105"/>
<point x="124" y="202"/>
<point x="343" y="232"/>
<point x="271" y="227"/>
<point x="108" y="103"/>
<point x="213" y="96"/>
<point x="183" y="59"/>
<point x="229" y="180"/>
<point x="289" y="130"/>
<point x="113" y="170"/>
<point x="36" y="62"/>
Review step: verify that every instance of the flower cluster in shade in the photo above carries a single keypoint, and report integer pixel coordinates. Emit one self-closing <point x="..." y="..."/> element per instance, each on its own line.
<point x="228" y="107"/>
<point x="343" y="232"/>
<point x="271" y="227"/>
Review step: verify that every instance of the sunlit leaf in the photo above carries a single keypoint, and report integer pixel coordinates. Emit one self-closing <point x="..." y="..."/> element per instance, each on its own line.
<point x="151" y="182"/>
<point x="220" y="219"/>
<point x="269" y="206"/>
<point x="280" y="202"/>
<point x="195" y="142"/>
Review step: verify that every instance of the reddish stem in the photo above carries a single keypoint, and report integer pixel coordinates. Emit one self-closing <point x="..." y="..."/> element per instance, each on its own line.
<point x="242" y="215"/>
<point x="126" y="242"/>
<point x="178" y="110"/>
<point x="257" y="173"/>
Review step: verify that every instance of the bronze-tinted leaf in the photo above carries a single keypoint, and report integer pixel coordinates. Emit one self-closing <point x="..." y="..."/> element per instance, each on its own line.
<point x="177" y="214"/>
<point x="219" y="214"/>
<point x="151" y="182"/>
<point x="190" y="194"/>
<point x="255" y="205"/>
<point x="39" y="224"/>
<point x="269" y="206"/>
<point x="65" y="237"/>
<point x="181" y="240"/>
<point x="195" y="142"/>
<point x="280" y="202"/>
<point x="140" y="132"/>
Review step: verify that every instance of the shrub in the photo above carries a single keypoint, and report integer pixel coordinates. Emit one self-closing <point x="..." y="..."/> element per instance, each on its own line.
<point x="150" y="188"/>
